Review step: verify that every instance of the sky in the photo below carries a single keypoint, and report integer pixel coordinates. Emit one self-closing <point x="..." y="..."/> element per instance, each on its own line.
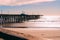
<point x="41" y="7"/>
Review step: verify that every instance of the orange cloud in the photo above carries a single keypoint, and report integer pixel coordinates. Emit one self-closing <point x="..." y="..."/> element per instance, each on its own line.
<point x="21" y="2"/>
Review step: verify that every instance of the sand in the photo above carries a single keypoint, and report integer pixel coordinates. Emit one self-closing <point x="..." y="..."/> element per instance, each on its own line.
<point x="36" y="33"/>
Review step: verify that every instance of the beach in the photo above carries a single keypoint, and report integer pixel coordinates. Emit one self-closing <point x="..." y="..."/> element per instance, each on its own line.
<point x="37" y="33"/>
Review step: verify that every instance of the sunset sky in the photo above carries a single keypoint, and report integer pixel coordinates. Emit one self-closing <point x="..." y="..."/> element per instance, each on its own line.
<point x="44" y="7"/>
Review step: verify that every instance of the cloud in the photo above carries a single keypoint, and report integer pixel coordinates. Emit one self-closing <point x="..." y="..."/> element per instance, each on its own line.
<point x="21" y="2"/>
